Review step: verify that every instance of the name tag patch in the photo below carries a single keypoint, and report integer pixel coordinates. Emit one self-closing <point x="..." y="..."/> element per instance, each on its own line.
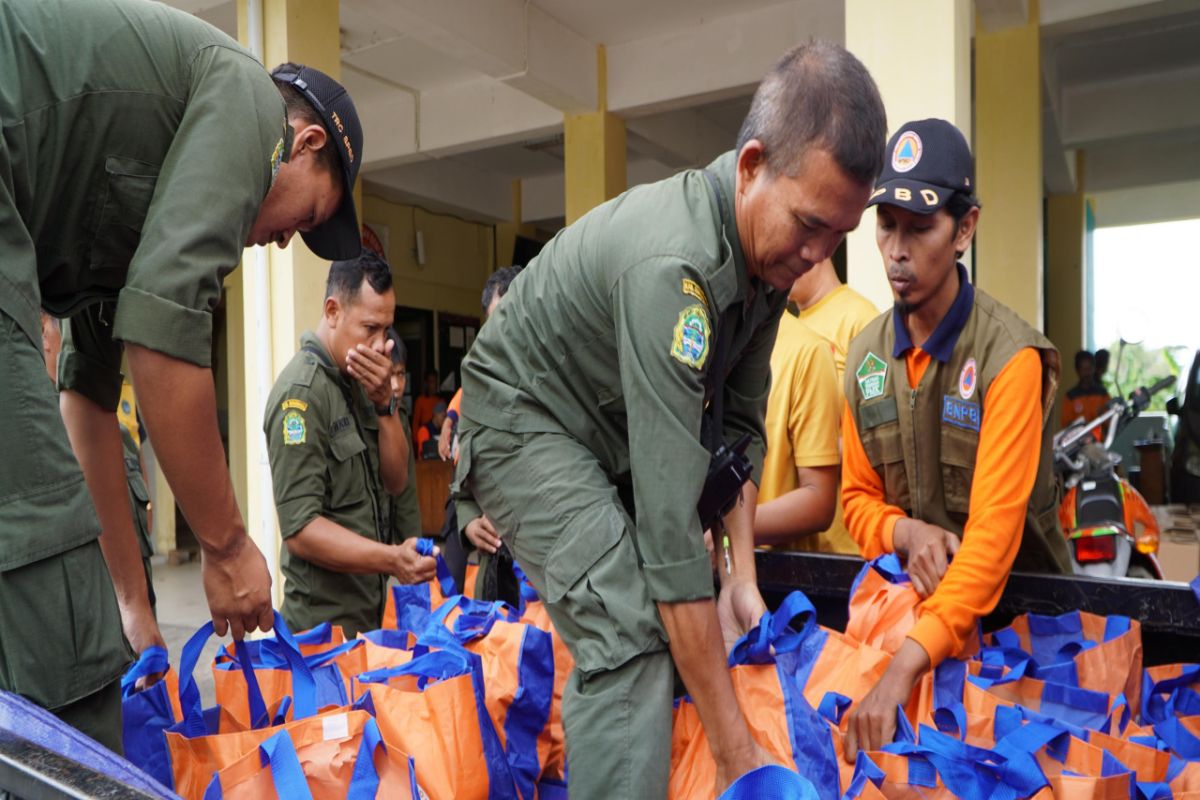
<point x="339" y="425"/>
<point x="961" y="413"/>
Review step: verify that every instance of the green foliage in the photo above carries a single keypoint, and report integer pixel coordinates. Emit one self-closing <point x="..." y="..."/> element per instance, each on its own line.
<point x="1140" y="366"/>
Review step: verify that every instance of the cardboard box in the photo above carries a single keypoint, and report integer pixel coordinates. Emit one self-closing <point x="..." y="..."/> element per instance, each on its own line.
<point x="1179" y="554"/>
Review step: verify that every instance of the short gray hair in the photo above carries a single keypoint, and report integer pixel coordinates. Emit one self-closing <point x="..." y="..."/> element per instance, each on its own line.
<point x="819" y="94"/>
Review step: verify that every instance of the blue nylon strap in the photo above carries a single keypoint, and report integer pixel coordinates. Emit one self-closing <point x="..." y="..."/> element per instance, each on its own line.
<point x="258" y="709"/>
<point x="445" y="581"/>
<point x="152" y="661"/>
<point x="776" y="632"/>
<point x="279" y="755"/>
<point x="833" y="707"/>
<point x="364" y="781"/>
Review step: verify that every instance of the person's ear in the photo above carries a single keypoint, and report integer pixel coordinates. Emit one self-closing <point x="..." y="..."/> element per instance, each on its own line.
<point x="332" y="311"/>
<point x="751" y="162"/>
<point x="964" y="234"/>
<point x="308" y="139"/>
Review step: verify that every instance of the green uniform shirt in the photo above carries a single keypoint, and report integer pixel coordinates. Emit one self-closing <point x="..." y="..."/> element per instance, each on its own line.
<point x="323" y="440"/>
<point x="608" y="336"/>
<point x="138" y="143"/>
<point x="406" y="509"/>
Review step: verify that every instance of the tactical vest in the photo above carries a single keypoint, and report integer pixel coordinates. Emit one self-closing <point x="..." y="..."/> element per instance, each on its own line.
<point x="923" y="442"/>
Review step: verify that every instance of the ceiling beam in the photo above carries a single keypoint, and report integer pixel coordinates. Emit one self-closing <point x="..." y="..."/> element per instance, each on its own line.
<point x="678" y="138"/>
<point x="510" y="41"/>
<point x="1148" y="103"/>
<point x="1148" y="204"/>
<point x="722" y="57"/>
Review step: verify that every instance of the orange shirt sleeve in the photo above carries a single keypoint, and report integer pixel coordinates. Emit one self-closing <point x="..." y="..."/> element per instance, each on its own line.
<point x="422" y="438"/>
<point x="455" y="406"/>
<point x="869" y="519"/>
<point x="1005" y="471"/>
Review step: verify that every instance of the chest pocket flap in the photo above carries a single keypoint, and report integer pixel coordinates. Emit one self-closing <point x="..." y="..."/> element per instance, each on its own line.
<point x="126" y="202"/>
<point x="346" y="445"/>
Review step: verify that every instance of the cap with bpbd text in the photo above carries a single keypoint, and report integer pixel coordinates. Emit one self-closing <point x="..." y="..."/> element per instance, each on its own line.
<point x="338" y="238"/>
<point x="927" y="161"/>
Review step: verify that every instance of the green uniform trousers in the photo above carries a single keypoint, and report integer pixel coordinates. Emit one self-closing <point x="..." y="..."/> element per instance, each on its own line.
<point x="567" y="527"/>
<point x="60" y="629"/>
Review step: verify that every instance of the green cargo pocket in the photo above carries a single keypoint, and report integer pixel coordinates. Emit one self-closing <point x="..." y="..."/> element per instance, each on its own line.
<point x="347" y="478"/>
<point x="958" y="451"/>
<point x="126" y="202"/>
<point x="594" y="584"/>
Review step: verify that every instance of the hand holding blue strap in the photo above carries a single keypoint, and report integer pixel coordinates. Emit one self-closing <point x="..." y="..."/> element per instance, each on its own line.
<point x="445" y="581"/>
<point x="776" y="632"/>
<point x="152" y="661"/>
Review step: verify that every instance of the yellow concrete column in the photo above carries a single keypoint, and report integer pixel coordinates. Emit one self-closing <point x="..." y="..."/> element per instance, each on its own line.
<point x="277" y="294"/>
<point x="1066" y="255"/>
<point x="594" y="158"/>
<point x="920" y="57"/>
<point x="1008" y="166"/>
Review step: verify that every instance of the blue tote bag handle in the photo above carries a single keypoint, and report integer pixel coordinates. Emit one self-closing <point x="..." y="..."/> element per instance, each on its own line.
<point x="152" y="661"/>
<point x="778" y="783"/>
<point x="304" y="689"/>
<point x="776" y="632"/>
<point x="445" y="580"/>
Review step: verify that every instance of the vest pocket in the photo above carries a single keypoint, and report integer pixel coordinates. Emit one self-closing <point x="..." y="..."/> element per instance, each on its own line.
<point x="958" y="452"/>
<point x="885" y="450"/>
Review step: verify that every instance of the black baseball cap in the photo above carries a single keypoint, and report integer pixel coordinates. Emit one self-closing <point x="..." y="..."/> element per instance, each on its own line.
<point x="927" y="161"/>
<point x="339" y="238"/>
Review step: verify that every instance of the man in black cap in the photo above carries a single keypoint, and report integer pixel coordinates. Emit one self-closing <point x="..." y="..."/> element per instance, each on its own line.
<point x="946" y="432"/>
<point x="140" y="151"/>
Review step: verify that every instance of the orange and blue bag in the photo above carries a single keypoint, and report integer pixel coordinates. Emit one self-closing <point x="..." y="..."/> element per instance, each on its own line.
<point x="433" y="708"/>
<point x="344" y="760"/>
<point x="205" y="741"/>
<point x="763" y="670"/>
<point x="147" y="713"/>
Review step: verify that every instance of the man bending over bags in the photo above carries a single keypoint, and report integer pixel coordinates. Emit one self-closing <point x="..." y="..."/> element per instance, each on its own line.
<point x="584" y="402"/>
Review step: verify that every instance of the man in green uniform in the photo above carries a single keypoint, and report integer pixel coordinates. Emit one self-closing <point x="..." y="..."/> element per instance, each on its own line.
<point x="337" y="449"/>
<point x="406" y="508"/>
<point x="140" y="151"/>
<point x="583" y="401"/>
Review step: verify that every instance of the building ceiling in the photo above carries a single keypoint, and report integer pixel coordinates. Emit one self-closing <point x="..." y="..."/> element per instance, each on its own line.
<point x="460" y="99"/>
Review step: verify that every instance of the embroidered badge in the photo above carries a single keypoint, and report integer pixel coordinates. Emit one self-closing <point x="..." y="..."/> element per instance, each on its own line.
<point x="907" y="152"/>
<point x="961" y="414"/>
<point x="692" y="289"/>
<point x="871" y="374"/>
<point x="276" y="158"/>
<point x="966" y="380"/>
<point x="293" y="428"/>
<point x="690" y="344"/>
<point x="292" y="402"/>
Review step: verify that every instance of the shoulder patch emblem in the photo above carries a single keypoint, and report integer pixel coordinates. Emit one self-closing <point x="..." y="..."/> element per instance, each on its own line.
<point x="293" y="428"/>
<point x="276" y="158"/>
<point x="968" y="379"/>
<point x="692" y="289"/>
<point x="692" y="332"/>
<point x="871" y="374"/>
<point x="292" y="402"/>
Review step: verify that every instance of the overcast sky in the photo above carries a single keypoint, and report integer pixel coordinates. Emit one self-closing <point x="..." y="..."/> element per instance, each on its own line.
<point x="1148" y="277"/>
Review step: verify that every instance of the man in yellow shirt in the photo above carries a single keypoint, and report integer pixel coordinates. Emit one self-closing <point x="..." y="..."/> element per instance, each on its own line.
<point x="797" y="493"/>
<point x="832" y="309"/>
<point x="836" y="313"/>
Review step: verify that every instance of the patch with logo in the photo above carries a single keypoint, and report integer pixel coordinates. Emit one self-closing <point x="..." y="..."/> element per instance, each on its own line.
<point x="961" y="413"/>
<point x="292" y="402"/>
<point x="293" y="428"/>
<point x="692" y="289"/>
<point x="967" y="379"/>
<point x="276" y="157"/>
<point x="871" y="375"/>
<point x="690" y="342"/>
<point x="907" y="152"/>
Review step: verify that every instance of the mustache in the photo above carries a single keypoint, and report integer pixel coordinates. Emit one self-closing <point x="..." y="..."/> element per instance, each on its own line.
<point x="895" y="272"/>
